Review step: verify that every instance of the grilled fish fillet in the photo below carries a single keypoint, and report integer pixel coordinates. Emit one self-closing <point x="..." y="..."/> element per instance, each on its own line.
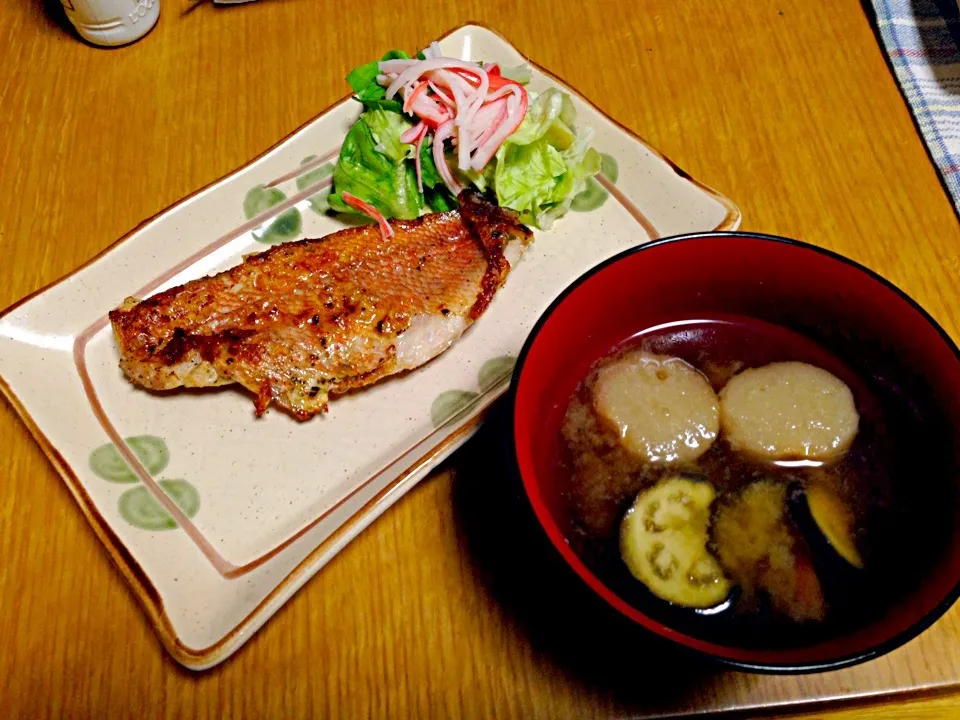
<point x="312" y="318"/>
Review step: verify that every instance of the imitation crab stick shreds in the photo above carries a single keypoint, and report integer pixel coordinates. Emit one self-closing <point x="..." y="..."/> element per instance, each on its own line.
<point x="463" y="94"/>
<point x="435" y="125"/>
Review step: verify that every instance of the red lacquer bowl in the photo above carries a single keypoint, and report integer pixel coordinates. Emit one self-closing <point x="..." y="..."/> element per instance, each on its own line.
<point x="844" y="305"/>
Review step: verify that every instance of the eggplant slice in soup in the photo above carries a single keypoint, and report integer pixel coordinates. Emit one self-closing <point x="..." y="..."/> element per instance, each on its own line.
<point x="663" y="541"/>
<point x="759" y="548"/>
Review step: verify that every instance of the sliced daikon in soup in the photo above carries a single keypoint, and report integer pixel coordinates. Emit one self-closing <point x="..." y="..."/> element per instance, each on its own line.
<point x="663" y="409"/>
<point x="788" y="410"/>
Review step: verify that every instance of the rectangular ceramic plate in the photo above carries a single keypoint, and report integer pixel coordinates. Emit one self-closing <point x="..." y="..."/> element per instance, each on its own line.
<point x="262" y="504"/>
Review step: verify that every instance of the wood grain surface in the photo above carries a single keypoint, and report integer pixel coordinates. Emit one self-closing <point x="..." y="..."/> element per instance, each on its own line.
<point x="437" y="610"/>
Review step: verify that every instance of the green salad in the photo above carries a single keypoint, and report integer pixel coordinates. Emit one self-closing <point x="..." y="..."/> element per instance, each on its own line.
<point x="432" y="126"/>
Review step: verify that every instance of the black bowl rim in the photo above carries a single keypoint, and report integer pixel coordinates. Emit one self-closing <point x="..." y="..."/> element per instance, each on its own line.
<point x="869" y="653"/>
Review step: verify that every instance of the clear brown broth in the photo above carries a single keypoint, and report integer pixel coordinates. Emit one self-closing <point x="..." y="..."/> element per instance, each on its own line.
<point x="894" y="521"/>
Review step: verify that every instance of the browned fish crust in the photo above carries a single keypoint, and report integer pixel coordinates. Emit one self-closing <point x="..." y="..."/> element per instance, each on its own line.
<point x="306" y="319"/>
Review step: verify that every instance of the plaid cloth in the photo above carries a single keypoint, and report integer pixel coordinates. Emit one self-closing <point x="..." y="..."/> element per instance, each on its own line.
<point x="922" y="40"/>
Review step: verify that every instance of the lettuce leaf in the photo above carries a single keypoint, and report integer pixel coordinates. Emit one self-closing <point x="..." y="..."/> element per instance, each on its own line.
<point x="374" y="97"/>
<point x="546" y="162"/>
<point x="435" y="192"/>
<point x="583" y="162"/>
<point x="364" y="75"/>
<point x="527" y="176"/>
<point x="428" y="168"/>
<point x="390" y="185"/>
<point x="439" y="198"/>
<point x="387" y="127"/>
<point x="363" y="80"/>
<point x="521" y="73"/>
<point x="543" y="110"/>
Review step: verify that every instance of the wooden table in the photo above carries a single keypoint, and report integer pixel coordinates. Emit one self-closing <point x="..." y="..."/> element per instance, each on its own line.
<point x="787" y="107"/>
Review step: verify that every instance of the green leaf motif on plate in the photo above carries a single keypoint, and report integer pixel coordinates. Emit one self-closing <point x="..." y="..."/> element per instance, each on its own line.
<point x="150" y="450"/>
<point x="260" y="199"/>
<point x="494" y="370"/>
<point x="590" y="198"/>
<point x="139" y="508"/>
<point x="319" y="203"/>
<point x="609" y="168"/>
<point x="593" y="195"/>
<point x="285" y="226"/>
<point x="449" y="404"/>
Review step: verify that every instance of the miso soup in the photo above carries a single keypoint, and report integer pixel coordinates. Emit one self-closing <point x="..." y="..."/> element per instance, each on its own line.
<point x="729" y="476"/>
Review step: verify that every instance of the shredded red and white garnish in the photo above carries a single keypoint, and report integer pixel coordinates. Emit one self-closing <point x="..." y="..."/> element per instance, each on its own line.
<point x="473" y="106"/>
<point x="370" y="211"/>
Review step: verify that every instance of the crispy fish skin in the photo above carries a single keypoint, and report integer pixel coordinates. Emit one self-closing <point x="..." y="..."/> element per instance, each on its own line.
<point x="308" y="319"/>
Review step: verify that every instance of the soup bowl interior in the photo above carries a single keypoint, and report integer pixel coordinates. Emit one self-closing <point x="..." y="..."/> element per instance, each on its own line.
<point x="870" y="325"/>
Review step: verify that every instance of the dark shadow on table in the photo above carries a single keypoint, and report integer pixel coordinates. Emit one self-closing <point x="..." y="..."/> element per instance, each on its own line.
<point x="933" y="40"/>
<point x="53" y="15"/>
<point x="563" y="620"/>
